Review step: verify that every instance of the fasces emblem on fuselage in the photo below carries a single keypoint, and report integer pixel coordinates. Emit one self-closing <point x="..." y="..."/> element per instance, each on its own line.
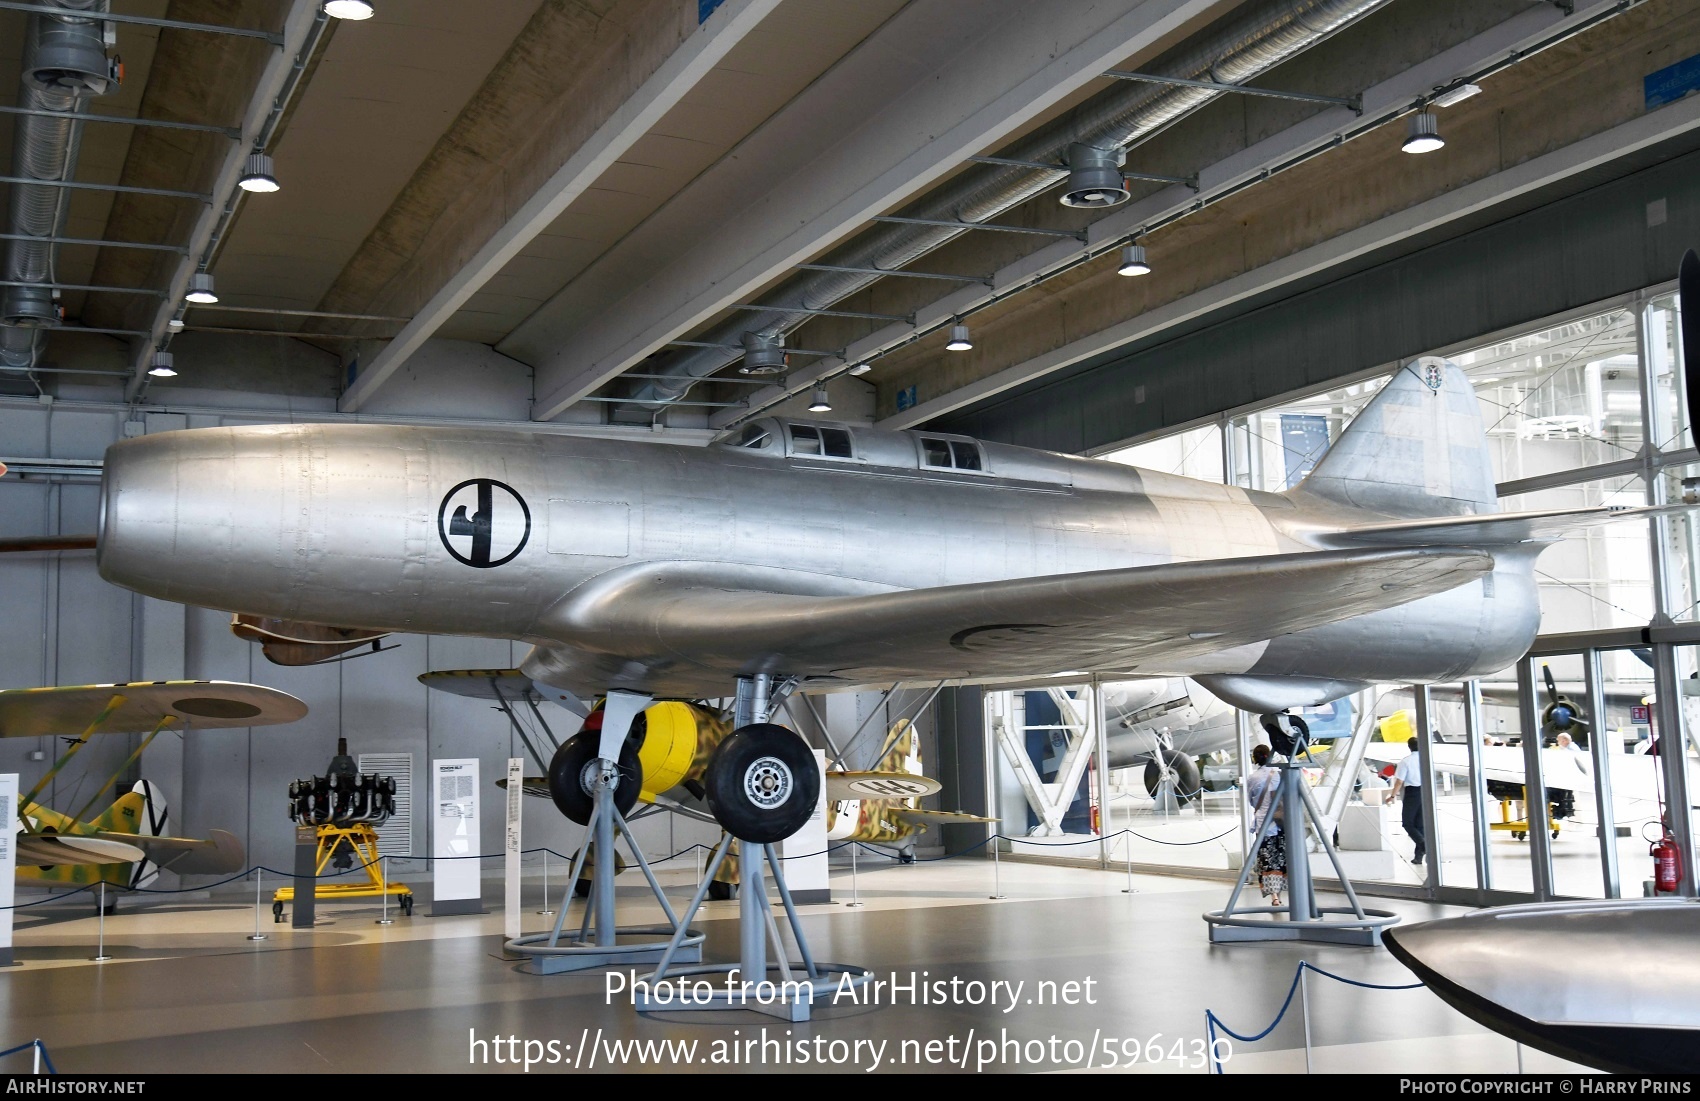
<point x="483" y="522"/>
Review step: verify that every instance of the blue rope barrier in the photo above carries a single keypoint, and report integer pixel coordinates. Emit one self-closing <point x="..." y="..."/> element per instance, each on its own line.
<point x="364" y="865"/>
<point x="39" y="1046"/>
<point x="1213" y="1022"/>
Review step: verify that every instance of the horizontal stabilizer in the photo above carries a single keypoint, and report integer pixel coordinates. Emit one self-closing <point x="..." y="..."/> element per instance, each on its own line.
<point x="220" y="854"/>
<point x="1494" y="529"/>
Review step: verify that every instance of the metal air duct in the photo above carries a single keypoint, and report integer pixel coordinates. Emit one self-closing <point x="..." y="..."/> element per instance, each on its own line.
<point x="64" y="66"/>
<point x="1259" y="39"/>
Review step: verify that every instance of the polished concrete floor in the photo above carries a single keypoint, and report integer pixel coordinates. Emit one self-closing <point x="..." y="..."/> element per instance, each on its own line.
<point x="186" y="990"/>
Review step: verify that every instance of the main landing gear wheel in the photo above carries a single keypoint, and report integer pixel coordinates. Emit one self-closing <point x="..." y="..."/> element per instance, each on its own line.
<point x="573" y="773"/>
<point x="762" y="783"/>
<point x="1182" y="769"/>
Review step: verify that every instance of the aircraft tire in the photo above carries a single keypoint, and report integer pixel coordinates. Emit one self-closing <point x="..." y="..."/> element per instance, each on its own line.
<point x="762" y="783"/>
<point x="570" y="771"/>
<point x="1189" y="783"/>
<point x="722" y="892"/>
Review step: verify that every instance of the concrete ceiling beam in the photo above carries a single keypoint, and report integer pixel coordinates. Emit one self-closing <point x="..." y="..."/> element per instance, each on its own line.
<point x="940" y="82"/>
<point x="1319" y="132"/>
<point x="297" y="25"/>
<point x="693" y="60"/>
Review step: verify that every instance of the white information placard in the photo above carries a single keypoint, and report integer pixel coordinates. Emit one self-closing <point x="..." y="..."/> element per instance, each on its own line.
<point x="516" y="789"/>
<point x="803" y="854"/>
<point x="8" y="861"/>
<point x="456" y="887"/>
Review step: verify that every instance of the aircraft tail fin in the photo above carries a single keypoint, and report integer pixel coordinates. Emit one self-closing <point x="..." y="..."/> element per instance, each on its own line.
<point x="139" y="810"/>
<point x="1417" y="449"/>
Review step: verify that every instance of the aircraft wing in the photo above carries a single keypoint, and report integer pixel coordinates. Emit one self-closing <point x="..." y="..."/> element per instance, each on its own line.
<point x="190" y="704"/>
<point x="690" y="618"/>
<point x="879" y="785"/>
<point x="47" y="849"/>
<point x="1560" y="768"/>
<point x="508" y="685"/>
<point x="938" y="817"/>
<point x="1497" y="528"/>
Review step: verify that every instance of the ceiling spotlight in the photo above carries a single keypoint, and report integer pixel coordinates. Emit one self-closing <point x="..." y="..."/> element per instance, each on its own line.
<point x="349" y="9"/>
<point x="860" y="368"/>
<point x="162" y="366"/>
<point x="201" y="289"/>
<point x="257" y="174"/>
<point x="763" y="355"/>
<point x="959" y="341"/>
<point x="175" y="325"/>
<point x="1094" y="177"/>
<point x="1422" y="133"/>
<point x="1133" y="261"/>
<point x="819" y="403"/>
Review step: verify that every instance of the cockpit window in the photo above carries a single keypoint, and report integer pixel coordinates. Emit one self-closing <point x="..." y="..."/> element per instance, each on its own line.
<point x="951" y="454"/>
<point x="967" y="454"/>
<point x="812" y="439"/>
<point x="755" y="436"/>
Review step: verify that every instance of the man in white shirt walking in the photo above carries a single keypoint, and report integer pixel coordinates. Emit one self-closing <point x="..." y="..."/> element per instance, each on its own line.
<point x="1408" y="787"/>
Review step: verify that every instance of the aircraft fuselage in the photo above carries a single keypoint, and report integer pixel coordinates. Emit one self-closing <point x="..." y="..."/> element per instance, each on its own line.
<point x="483" y="531"/>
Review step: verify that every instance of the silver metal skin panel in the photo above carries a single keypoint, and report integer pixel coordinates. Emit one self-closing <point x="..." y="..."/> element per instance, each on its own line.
<point x="1610" y="984"/>
<point x="672" y="570"/>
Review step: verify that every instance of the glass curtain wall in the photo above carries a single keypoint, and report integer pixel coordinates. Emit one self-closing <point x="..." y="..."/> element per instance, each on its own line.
<point x="1582" y="410"/>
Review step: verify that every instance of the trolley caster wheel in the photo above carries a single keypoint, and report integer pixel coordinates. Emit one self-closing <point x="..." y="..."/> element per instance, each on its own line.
<point x="1516" y="836"/>
<point x="277" y="912"/>
<point x="1555" y="835"/>
<point x="906" y="858"/>
<point x="406" y="905"/>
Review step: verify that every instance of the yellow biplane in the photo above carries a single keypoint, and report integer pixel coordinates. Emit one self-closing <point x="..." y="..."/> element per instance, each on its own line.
<point x="125" y="844"/>
<point x="667" y="753"/>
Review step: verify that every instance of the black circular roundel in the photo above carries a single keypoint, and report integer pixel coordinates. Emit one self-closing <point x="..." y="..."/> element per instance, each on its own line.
<point x="483" y="522"/>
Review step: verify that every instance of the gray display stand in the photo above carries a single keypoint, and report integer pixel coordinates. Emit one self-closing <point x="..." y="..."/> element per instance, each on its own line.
<point x="1301" y="918"/>
<point x="785" y="990"/>
<point x="600" y="942"/>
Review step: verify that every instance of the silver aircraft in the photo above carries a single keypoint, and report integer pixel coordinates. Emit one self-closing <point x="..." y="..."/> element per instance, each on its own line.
<point x="802" y="553"/>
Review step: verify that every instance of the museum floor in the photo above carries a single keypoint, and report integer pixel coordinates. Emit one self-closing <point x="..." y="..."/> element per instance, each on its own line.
<point x="186" y="990"/>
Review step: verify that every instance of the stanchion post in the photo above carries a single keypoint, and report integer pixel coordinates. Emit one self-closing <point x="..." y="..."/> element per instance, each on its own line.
<point x="1128" y="890"/>
<point x="259" y="878"/>
<point x="997" y="870"/>
<point x="545" y="909"/>
<point x="384" y="886"/>
<point x="1304" y="1012"/>
<point x="37" y="1047"/>
<point x="855" y="893"/>
<point x="100" y="951"/>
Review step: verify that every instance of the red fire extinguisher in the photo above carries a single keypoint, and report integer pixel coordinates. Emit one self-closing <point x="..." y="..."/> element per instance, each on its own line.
<point x="1667" y="864"/>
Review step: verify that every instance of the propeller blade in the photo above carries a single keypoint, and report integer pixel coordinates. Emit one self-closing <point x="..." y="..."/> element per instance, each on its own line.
<point x="27" y="543"/>
<point x="1552" y="687"/>
<point x="1688" y="298"/>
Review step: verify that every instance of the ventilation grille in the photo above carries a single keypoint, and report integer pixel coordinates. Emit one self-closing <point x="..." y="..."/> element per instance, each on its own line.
<point x="395" y="837"/>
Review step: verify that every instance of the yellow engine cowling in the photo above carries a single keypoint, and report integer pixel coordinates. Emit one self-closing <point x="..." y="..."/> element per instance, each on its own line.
<point x="669" y="746"/>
